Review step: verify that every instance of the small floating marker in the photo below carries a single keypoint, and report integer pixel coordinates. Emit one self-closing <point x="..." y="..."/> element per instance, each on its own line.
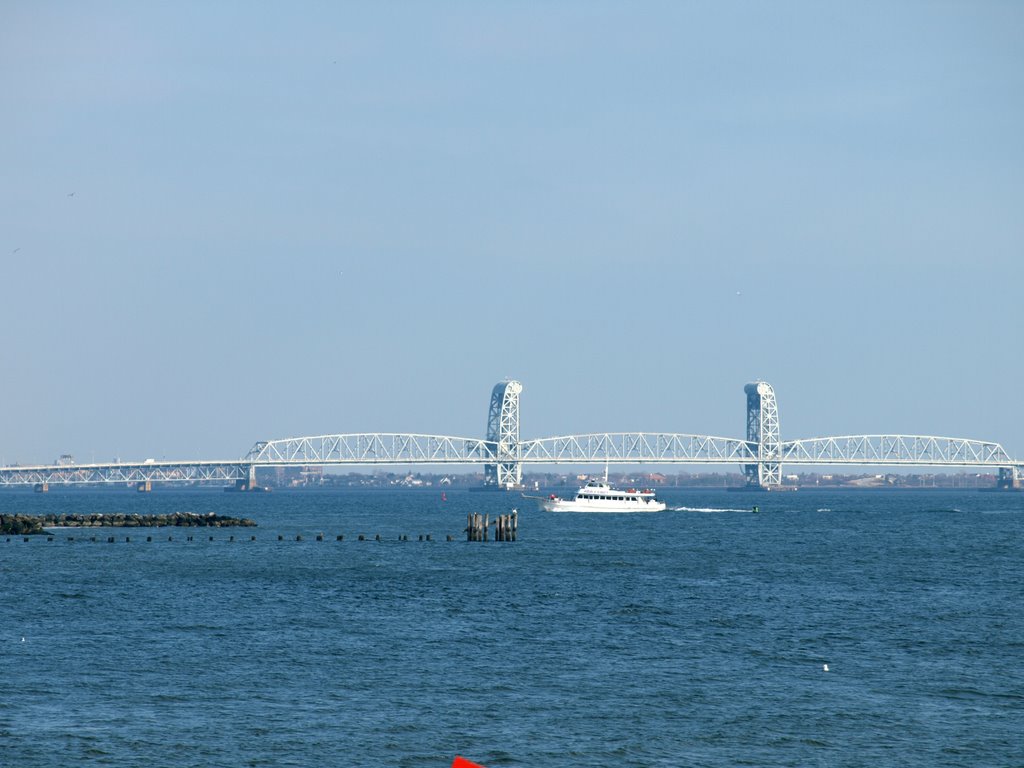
<point x="23" y="639"/>
<point x="824" y="667"/>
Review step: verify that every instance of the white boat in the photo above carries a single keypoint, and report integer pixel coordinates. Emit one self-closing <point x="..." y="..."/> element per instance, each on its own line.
<point x="599" y="496"/>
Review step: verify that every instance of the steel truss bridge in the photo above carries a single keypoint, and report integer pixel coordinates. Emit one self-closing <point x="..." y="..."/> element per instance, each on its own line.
<point x="503" y="454"/>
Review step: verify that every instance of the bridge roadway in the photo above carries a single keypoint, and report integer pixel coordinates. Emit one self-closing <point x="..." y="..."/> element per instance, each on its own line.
<point x="503" y="454"/>
<point x="368" y="449"/>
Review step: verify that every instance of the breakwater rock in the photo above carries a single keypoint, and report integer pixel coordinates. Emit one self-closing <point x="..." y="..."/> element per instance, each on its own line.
<point x="29" y="524"/>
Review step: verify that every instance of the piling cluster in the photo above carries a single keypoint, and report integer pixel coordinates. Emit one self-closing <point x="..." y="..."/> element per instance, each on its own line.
<point x="506" y="527"/>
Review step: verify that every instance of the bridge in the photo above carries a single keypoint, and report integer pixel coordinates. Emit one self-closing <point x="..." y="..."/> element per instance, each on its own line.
<point x="502" y="454"/>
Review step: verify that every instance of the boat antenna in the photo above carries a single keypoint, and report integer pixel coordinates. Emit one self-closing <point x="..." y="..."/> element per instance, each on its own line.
<point x="606" y="471"/>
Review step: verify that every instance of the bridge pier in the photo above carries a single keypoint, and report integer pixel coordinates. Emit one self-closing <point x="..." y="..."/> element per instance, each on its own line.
<point x="1009" y="479"/>
<point x="145" y="486"/>
<point x="41" y="488"/>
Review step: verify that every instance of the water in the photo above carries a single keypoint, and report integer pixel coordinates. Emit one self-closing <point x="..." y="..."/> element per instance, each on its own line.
<point x="693" y="637"/>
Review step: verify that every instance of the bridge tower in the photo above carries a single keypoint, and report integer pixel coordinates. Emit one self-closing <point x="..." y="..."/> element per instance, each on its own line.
<point x="503" y="430"/>
<point x="763" y="432"/>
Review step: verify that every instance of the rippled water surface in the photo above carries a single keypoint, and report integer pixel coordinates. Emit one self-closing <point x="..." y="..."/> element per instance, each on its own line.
<point x="695" y="636"/>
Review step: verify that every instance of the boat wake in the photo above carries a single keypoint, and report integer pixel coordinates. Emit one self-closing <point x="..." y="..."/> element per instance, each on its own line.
<point x="709" y="509"/>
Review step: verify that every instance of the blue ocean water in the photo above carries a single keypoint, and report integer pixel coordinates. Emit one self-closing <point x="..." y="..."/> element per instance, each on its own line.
<point x="693" y="637"/>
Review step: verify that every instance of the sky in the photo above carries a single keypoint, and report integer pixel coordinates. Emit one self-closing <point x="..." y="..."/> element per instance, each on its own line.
<point x="230" y="222"/>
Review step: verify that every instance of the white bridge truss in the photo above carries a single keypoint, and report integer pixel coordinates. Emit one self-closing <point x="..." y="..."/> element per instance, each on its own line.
<point x="636" y="448"/>
<point x="883" y="450"/>
<point x="163" y="471"/>
<point x="377" y="448"/>
<point x="372" y="448"/>
<point x="503" y="455"/>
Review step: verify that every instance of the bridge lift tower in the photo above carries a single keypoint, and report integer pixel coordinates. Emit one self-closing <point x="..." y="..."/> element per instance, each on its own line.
<point x="503" y="430"/>
<point x="763" y="431"/>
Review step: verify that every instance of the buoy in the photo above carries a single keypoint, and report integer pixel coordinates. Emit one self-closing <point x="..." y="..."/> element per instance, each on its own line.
<point x="824" y="667"/>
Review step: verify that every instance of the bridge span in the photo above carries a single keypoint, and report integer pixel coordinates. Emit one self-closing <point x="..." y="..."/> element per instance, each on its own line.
<point x="502" y="454"/>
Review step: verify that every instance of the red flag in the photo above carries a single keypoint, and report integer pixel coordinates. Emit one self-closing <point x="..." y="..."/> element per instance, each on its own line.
<point x="461" y="762"/>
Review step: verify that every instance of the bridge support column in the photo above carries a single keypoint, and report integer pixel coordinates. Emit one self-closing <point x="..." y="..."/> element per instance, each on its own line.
<point x="1009" y="479"/>
<point x="503" y="431"/>
<point x="145" y="486"/>
<point x="41" y="488"/>
<point x="763" y="430"/>
<point x="249" y="482"/>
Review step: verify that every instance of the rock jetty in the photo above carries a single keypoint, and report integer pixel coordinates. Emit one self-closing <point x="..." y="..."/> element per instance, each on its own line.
<point x="30" y="524"/>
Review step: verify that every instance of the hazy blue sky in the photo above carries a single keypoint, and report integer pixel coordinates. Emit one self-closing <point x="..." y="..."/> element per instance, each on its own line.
<point x="293" y="219"/>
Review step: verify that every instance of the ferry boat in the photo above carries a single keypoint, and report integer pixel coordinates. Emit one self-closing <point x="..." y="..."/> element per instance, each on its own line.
<point x="599" y="496"/>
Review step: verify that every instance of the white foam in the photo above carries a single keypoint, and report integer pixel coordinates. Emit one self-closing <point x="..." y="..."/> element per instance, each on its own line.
<point x="709" y="509"/>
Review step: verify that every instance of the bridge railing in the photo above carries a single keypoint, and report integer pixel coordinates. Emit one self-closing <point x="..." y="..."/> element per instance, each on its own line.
<point x="895" y="449"/>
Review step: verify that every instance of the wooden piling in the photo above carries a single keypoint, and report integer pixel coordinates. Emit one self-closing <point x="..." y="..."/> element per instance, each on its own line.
<point x="340" y="537"/>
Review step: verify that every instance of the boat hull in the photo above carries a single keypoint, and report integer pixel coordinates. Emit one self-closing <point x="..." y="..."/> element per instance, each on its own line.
<point x="567" y="505"/>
